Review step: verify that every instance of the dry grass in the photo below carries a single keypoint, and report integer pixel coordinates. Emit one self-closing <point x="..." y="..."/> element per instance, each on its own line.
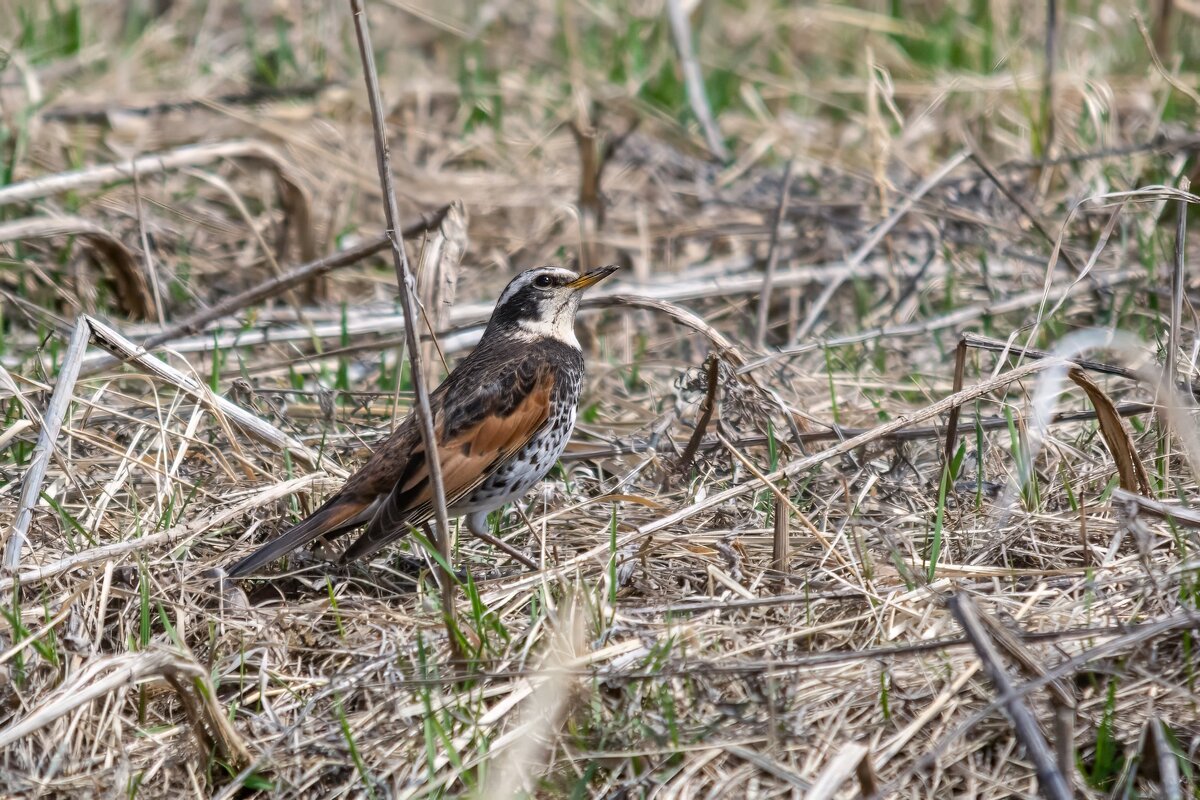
<point x="659" y="651"/>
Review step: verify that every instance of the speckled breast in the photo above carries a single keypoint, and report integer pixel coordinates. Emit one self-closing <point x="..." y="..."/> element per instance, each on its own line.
<point x="535" y="459"/>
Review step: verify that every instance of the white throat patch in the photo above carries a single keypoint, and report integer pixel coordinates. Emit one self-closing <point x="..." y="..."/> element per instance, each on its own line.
<point x="561" y="327"/>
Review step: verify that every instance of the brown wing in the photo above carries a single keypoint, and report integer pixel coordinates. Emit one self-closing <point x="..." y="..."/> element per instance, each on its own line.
<point x="354" y="505"/>
<point x="468" y="457"/>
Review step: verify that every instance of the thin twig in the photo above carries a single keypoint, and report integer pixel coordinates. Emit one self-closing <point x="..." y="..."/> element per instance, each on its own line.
<point x="147" y="257"/>
<point x="31" y="484"/>
<point x="281" y="283"/>
<point x="407" y="295"/>
<point x="689" y="319"/>
<point x="1128" y="637"/>
<point x="802" y="465"/>
<point x="764" y="297"/>
<point x="960" y="316"/>
<point x="691" y="667"/>
<point x="1177" y="284"/>
<point x="707" y="406"/>
<point x="1159" y="144"/>
<point x="276" y="285"/>
<point x="504" y="546"/>
<point x="770" y="483"/>
<point x="877" y="236"/>
<point x="997" y="346"/>
<point x="1048" y="110"/>
<point x="102" y="114"/>
<point x="1050" y="780"/>
<point x="1062" y="701"/>
<point x="906" y="435"/>
<point x="1028" y="210"/>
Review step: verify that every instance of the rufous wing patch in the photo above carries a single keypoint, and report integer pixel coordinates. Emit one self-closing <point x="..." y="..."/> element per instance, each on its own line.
<point x="467" y="461"/>
<point x="470" y="457"/>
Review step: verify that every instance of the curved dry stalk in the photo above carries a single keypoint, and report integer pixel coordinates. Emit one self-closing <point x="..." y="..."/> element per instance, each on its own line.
<point x="132" y="295"/>
<point x="1130" y="468"/>
<point x="293" y="196"/>
<point x="127" y="351"/>
<point x="209" y="721"/>
<point x="677" y="313"/>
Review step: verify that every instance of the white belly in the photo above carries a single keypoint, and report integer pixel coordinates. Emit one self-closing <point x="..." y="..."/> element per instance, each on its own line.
<point x="524" y="470"/>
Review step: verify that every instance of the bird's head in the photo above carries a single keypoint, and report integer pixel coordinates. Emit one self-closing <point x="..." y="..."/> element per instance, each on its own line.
<point x="542" y="302"/>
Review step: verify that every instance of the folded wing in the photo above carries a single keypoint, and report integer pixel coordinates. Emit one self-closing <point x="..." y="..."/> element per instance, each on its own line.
<point x="469" y="456"/>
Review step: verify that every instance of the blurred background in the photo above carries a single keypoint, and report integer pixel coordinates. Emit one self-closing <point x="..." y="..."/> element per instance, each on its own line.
<point x="556" y="122"/>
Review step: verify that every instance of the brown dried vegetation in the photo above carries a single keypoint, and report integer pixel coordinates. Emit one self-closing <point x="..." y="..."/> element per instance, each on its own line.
<point x="897" y="176"/>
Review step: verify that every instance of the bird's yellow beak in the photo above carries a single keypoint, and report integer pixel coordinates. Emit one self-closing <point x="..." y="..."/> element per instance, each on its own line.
<point x="592" y="278"/>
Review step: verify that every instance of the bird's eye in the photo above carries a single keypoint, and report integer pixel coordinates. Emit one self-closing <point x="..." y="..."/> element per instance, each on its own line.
<point x="543" y="281"/>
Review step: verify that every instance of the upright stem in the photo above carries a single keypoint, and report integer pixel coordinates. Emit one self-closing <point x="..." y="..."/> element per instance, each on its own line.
<point x="407" y="290"/>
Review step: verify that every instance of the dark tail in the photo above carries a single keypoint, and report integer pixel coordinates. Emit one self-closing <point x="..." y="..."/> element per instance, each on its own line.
<point x="389" y="522"/>
<point x="338" y="515"/>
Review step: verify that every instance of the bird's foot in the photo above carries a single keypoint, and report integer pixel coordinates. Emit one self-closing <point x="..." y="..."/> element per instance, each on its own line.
<point x="477" y="524"/>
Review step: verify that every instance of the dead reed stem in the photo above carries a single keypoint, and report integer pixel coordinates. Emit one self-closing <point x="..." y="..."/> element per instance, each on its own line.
<point x="407" y="286"/>
<point x="1052" y="783"/>
<point x="764" y="298"/>
<point x="693" y="78"/>
<point x="35" y="474"/>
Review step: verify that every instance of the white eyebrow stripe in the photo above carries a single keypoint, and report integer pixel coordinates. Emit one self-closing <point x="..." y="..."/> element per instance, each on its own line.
<point x="528" y="276"/>
<point x="518" y="283"/>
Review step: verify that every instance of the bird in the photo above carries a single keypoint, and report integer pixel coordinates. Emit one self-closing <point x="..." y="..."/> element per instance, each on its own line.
<point x="502" y="418"/>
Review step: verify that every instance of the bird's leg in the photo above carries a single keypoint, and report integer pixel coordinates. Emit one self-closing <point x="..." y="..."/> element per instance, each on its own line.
<point x="477" y="524"/>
